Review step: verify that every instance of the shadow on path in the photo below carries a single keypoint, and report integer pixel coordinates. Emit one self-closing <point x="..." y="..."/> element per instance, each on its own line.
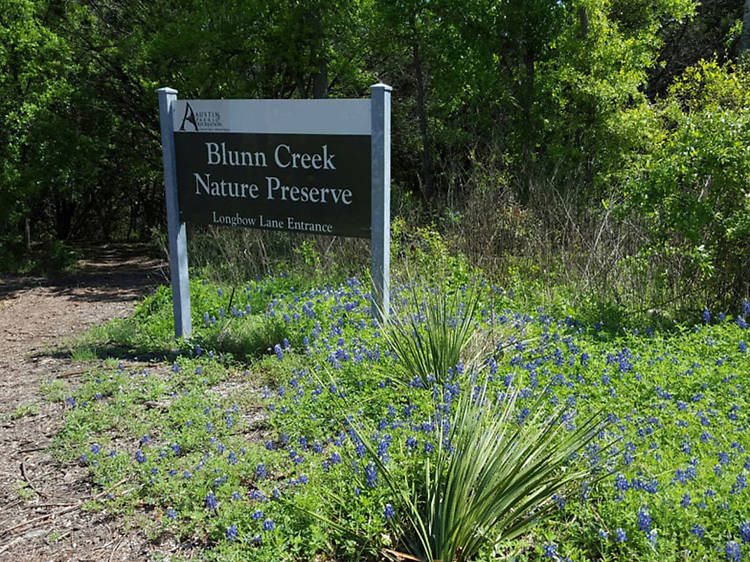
<point x="113" y="272"/>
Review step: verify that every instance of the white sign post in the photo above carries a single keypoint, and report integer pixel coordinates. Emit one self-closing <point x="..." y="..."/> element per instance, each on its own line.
<point x="315" y="166"/>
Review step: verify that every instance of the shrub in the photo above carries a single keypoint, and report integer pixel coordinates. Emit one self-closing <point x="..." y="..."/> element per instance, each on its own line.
<point x="690" y="191"/>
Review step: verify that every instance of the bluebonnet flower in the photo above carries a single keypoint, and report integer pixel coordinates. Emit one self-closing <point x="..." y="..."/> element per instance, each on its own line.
<point x="371" y="475"/>
<point x="260" y="471"/>
<point x="644" y="519"/>
<point x="745" y="532"/>
<point x="706" y="316"/>
<point x="277" y="350"/>
<point x="139" y="456"/>
<point x="171" y="513"/>
<point x="211" y="502"/>
<point x="603" y="534"/>
<point x="621" y="483"/>
<point x="258" y="514"/>
<point x="732" y="551"/>
<point x="95" y="448"/>
<point x="523" y="414"/>
<point x="621" y="535"/>
<point x="698" y="530"/>
<point x="740" y="484"/>
<point x="549" y="550"/>
<point x="388" y="511"/>
<point x="257" y="495"/>
<point x="360" y="450"/>
<point x="559" y="500"/>
<point x="232" y="533"/>
<point x="269" y="525"/>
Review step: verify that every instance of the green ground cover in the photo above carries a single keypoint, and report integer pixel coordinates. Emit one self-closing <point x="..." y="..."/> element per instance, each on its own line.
<point x="289" y="428"/>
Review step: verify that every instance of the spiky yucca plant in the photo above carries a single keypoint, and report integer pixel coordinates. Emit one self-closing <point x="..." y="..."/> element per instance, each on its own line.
<point x="490" y="478"/>
<point x="432" y="334"/>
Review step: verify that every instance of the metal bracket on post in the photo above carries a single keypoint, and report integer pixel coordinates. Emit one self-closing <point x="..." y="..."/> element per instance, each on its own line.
<point x="178" y="265"/>
<point x="380" y="237"/>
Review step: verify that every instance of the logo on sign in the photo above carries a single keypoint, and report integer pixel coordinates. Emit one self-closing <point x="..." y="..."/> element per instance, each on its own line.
<point x="201" y="120"/>
<point x="189" y="117"/>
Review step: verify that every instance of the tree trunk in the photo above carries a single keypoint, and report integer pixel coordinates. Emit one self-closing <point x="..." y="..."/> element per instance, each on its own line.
<point x="320" y="81"/>
<point x="427" y="184"/>
<point x="528" y="132"/>
<point x="320" y="78"/>
<point x="744" y="45"/>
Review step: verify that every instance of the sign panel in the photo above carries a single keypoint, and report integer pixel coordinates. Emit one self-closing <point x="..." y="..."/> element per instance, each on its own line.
<point x="314" y="166"/>
<point x="319" y="184"/>
<point x="275" y="164"/>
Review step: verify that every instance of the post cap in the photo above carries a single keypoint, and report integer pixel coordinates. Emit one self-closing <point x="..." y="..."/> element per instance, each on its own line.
<point x="385" y="87"/>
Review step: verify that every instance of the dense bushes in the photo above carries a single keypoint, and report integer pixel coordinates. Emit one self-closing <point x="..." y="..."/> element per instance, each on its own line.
<point x="689" y="190"/>
<point x="512" y="123"/>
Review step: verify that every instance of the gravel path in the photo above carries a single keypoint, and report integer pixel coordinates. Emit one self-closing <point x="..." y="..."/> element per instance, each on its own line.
<point x="39" y="517"/>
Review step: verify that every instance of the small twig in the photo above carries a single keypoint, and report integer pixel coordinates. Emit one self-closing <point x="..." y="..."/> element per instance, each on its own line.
<point x="401" y="555"/>
<point x="32" y="449"/>
<point x="72" y="373"/>
<point x="111" y="555"/>
<point x="28" y="480"/>
<point x="104" y="546"/>
<point x="61" y="537"/>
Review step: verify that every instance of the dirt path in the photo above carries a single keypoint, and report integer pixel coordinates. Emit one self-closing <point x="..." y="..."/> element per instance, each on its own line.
<point x="39" y="519"/>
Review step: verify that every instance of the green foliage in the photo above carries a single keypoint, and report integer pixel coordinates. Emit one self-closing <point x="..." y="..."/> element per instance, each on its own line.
<point x="308" y="413"/>
<point x="245" y="338"/>
<point x="28" y="409"/>
<point x="424" y="252"/>
<point x="689" y="188"/>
